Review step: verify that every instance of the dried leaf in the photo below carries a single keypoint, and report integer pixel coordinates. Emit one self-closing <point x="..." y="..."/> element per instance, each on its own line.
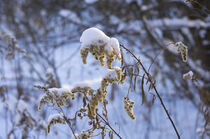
<point x="131" y="73"/>
<point x="150" y="87"/>
<point x="142" y="90"/>
<point x="153" y="98"/>
<point x="137" y="68"/>
<point x="111" y="134"/>
<point x="134" y="87"/>
<point x="131" y="77"/>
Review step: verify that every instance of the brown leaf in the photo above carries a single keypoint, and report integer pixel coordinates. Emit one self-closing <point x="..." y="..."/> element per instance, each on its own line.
<point x="131" y="73"/>
<point x="110" y="134"/>
<point x="142" y="90"/>
<point x="153" y="98"/>
<point x="134" y="87"/>
<point x="137" y="68"/>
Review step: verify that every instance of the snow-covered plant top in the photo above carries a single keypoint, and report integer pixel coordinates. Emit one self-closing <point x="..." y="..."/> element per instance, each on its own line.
<point x="57" y="95"/>
<point x="99" y="45"/>
<point x="188" y="75"/>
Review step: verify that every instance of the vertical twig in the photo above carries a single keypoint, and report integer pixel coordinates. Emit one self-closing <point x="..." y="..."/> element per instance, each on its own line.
<point x="149" y="78"/>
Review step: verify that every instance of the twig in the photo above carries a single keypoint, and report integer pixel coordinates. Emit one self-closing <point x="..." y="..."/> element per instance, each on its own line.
<point x="153" y="61"/>
<point x="149" y="77"/>
<point x="109" y="125"/>
<point x="68" y="123"/>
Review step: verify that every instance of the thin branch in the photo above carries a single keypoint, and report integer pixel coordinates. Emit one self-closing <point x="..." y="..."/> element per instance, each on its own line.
<point x="109" y="125"/>
<point x="149" y="78"/>
<point x="153" y="60"/>
<point x="68" y="123"/>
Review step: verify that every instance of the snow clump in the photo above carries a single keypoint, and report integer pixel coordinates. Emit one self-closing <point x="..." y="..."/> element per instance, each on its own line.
<point x="188" y="75"/>
<point x="99" y="45"/>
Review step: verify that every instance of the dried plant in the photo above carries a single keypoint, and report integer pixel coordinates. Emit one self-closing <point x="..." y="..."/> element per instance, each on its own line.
<point x="100" y="46"/>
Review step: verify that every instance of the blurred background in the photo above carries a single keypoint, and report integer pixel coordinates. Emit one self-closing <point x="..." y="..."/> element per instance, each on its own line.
<point x="39" y="45"/>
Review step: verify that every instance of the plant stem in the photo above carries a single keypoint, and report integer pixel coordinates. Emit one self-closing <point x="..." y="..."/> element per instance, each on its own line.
<point x="68" y="123"/>
<point x="149" y="78"/>
<point x="109" y="125"/>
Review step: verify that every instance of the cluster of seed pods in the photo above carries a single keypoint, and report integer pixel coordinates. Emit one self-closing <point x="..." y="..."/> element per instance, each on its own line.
<point x="183" y="50"/>
<point x="128" y="107"/>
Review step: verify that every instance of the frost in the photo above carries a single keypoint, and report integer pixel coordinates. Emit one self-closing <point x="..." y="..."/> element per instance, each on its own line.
<point x="188" y="75"/>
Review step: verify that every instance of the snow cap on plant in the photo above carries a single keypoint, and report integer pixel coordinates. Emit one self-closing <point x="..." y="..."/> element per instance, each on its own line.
<point x="188" y="75"/>
<point x="57" y="95"/>
<point x="99" y="45"/>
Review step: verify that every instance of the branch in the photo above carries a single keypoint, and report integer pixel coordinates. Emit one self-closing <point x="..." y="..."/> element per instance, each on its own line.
<point x="109" y="125"/>
<point x="159" y="97"/>
<point x="68" y="122"/>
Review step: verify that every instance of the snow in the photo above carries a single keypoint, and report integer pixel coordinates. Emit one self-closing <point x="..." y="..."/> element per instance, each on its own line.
<point x="58" y="90"/>
<point x="96" y="41"/>
<point x="92" y="36"/>
<point x="202" y="33"/>
<point x="14" y="104"/>
<point x="81" y="85"/>
<point x="196" y="67"/>
<point x="21" y="106"/>
<point x="54" y="116"/>
<point x="181" y="22"/>
<point x="111" y="74"/>
<point x="205" y="42"/>
<point x="114" y="20"/>
<point x="188" y="75"/>
<point x="95" y="37"/>
<point x="90" y="1"/>
<point x="116" y="46"/>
